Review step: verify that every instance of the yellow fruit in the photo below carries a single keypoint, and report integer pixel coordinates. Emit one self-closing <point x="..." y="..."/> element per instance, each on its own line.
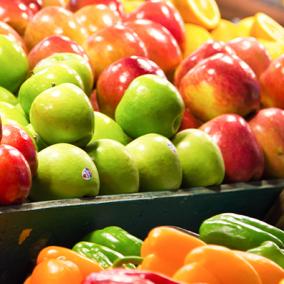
<point x="265" y="27"/>
<point x="204" y="13"/>
<point x="195" y="37"/>
<point x="274" y="48"/>
<point x="245" y="25"/>
<point x="225" y="31"/>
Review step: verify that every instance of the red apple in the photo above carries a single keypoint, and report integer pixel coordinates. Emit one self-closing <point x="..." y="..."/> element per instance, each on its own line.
<point x="53" y="20"/>
<point x="7" y="30"/>
<point x="218" y="85"/>
<point x="114" y="5"/>
<point x="15" y="136"/>
<point x="95" y="17"/>
<point x="164" y="13"/>
<point x="206" y="50"/>
<point x="15" y="13"/>
<point x="54" y="44"/>
<point x="268" y="127"/>
<point x="15" y="176"/>
<point x="252" y="52"/>
<point x="120" y="74"/>
<point x="242" y="154"/>
<point x="112" y="43"/>
<point x="189" y="121"/>
<point x="272" y="84"/>
<point x="161" y="45"/>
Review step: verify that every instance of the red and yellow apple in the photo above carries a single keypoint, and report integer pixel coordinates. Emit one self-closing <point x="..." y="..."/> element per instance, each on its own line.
<point x="218" y="85"/>
<point x="161" y="46"/>
<point x="16" y="13"/>
<point x="268" y="127"/>
<point x="15" y="176"/>
<point x="95" y="17"/>
<point x="112" y="43"/>
<point x="206" y="50"/>
<point x="54" y="44"/>
<point x="164" y="13"/>
<point x="15" y="136"/>
<point x="252" y="52"/>
<point x="241" y="152"/>
<point x="53" y="20"/>
<point x="272" y="84"/>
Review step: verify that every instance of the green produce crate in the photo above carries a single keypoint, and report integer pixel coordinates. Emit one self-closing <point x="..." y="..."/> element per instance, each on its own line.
<point x="25" y="229"/>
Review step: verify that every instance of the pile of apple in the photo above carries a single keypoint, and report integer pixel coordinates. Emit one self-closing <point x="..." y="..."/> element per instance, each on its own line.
<point x="97" y="101"/>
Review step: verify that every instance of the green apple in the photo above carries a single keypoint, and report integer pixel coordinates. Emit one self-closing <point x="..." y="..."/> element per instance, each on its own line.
<point x="64" y="171"/>
<point x="7" y="97"/>
<point x="117" y="170"/>
<point x="157" y="161"/>
<point x="13" y="112"/>
<point x="107" y="128"/>
<point x="74" y="61"/>
<point x="48" y="77"/>
<point x="150" y="104"/>
<point x="201" y="159"/>
<point x="63" y="114"/>
<point x="14" y="64"/>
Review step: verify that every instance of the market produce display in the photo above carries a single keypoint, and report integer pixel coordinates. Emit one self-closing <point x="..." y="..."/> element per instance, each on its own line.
<point x="252" y="252"/>
<point x="104" y="97"/>
<point x="108" y="91"/>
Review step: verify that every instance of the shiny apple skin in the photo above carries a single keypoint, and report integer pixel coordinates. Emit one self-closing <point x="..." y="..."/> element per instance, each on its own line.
<point x="54" y="44"/>
<point x="268" y="127"/>
<point x="16" y="13"/>
<point x="206" y="50"/>
<point x="162" y="47"/>
<point x="15" y="176"/>
<point x="121" y="73"/>
<point x="252" y="52"/>
<point x="112" y="43"/>
<point x="95" y="17"/>
<point x="164" y="13"/>
<point x="272" y="84"/>
<point x="53" y="20"/>
<point x="243" y="156"/>
<point x="218" y="85"/>
<point x="15" y="136"/>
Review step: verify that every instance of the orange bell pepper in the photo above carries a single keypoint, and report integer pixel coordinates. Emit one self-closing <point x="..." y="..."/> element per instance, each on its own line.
<point x="165" y="248"/>
<point x="269" y="271"/>
<point x="28" y="280"/>
<point x="222" y="263"/>
<point x="85" y="265"/>
<point x="195" y="273"/>
<point x="56" y="271"/>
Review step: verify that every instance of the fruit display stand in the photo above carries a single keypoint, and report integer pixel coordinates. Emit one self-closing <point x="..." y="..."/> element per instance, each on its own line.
<point x="28" y="228"/>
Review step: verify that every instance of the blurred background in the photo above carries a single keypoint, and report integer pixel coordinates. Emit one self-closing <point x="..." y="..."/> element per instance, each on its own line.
<point x="234" y="9"/>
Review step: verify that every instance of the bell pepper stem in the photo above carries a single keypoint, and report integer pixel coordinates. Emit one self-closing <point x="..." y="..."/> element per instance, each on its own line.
<point x="127" y="261"/>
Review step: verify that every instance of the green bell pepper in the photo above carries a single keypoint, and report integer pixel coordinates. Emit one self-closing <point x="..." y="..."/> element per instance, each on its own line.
<point x="101" y="254"/>
<point x="239" y="232"/>
<point x="116" y="239"/>
<point x="270" y="250"/>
